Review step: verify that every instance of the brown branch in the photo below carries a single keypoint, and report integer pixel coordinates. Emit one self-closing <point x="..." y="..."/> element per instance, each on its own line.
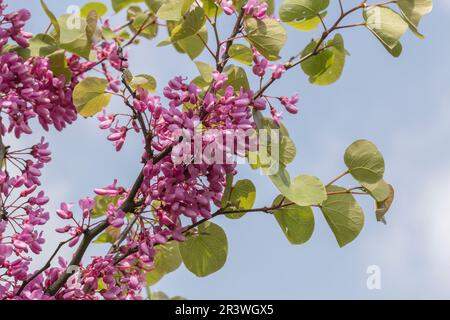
<point x="219" y="212"/>
<point x="236" y="29"/>
<point x="317" y="48"/>
<point x="45" y="267"/>
<point x="90" y="234"/>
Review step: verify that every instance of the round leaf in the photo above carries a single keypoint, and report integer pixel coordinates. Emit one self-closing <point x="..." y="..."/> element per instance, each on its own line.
<point x="241" y="197"/>
<point x="192" y="24"/>
<point x="343" y="214"/>
<point x="413" y="10"/>
<point x="387" y="25"/>
<point x="299" y="10"/>
<point x="297" y="223"/>
<point x="326" y="66"/>
<point x="241" y="53"/>
<point x="144" y="81"/>
<point x="268" y="36"/>
<point x="89" y="96"/>
<point x="307" y="191"/>
<point x="98" y="7"/>
<point x="167" y="259"/>
<point x="364" y="161"/>
<point x="206" y="251"/>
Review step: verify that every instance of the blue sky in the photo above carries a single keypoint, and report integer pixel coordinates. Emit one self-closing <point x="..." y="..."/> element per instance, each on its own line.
<point x="400" y="104"/>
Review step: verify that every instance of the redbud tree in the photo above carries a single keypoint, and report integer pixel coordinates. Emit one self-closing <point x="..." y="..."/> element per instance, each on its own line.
<point x="196" y="133"/>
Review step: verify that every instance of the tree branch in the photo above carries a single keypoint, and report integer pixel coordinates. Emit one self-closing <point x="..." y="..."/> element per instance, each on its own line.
<point x="317" y="49"/>
<point x="45" y="267"/>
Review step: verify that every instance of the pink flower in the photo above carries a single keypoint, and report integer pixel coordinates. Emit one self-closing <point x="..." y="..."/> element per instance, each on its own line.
<point x="276" y="116"/>
<point x="220" y="80"/>
<point x="260" y="64"/>
<point x="290" y="103"/>
<point x="64" y="211"/>
<point x="278" y="71"/>
<point x="115" y="216"/>
<point x="227" y="6"/>
<point x="110" y="191"/>
<point x="256" y="9"/>
<point x="5" y="252"/>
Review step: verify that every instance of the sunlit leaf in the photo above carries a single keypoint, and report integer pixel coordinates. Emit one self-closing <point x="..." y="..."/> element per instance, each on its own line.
<point x="89" y="96"/>
<point x="53" y="20"/>
<point x="301" y="10"/>
<point x="387" y="26"/>
<point x="241" y="197"/>
<point x="98" y="7"/>
<point x="192" y="24"/>
<point x="343" y="214"/>
<point x="364" y="161"/>
<point x="119" y="5"/>
<point x="241" y="53"/>
<point x="325" y="67"/>
<point x="296" y="222"/>
<point x="413" y="11"/>
<point x="205" y="252"/>
<point x="167" y="259"/>
<point x="268" y="36"/>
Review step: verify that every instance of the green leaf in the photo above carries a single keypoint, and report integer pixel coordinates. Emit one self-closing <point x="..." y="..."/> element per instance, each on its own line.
<point x="237" y="77"/>
<point x="206" y="70"/>
<point x="91" y="27"/>
<point x="227" y="192"/>
<point x="89" y="96"/>
<point x="242" y="197"/>
<point x="268" y="36"/>
<point x="380" y="191"/>
<point x="387" y="25"/>
<point x="307" y="25"/>
<point x="101" y="205"/>
<point x="42" y="45"/>
<point x="154" y="5"/>
<point x="76" y="35"/>
<point x="280" y="143"/>
<point x="192" y="24"/>
<point x="301" y="10"/>
<point x="307" y="190"/>
<point x="159" y="295"/>
<point x="104" y="238"/>
<point x="211" y="8"/>
<point x="325" y="67"/>
<point x="119" y="5"/>
<point x="303" y="190"/>
<point x="193" y="46"/>
<point x="143" y="22"/>
<point x="296" y="222"/>
<point x="206" y="251"/>
<point x="58" y="64"/>
<point x="364" y="161"/>
<point x="382" y="207"/>
<point x="173" y="9"/>
<point x="53" y="20"/>
<point x="144" y="81"/>
<point x="241" y="53"/>
<point x="413" y="11"/>
<point x="110" y="235"/>
<point x="98" y="7"/>
<point x="167" y="259"/>
<point x="343" y="214"/>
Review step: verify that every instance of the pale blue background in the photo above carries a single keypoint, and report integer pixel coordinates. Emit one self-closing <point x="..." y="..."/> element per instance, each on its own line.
<point x="400" y="104"/>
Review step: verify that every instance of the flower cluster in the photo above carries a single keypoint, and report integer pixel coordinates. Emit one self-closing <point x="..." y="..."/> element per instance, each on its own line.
<point x="11" y="26"/>
<point x="22" y="211"/>
<point x="186" y="181"/>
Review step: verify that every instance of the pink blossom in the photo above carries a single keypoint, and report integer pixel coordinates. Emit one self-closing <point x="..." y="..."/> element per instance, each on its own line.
<point x="290" y="103"/>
